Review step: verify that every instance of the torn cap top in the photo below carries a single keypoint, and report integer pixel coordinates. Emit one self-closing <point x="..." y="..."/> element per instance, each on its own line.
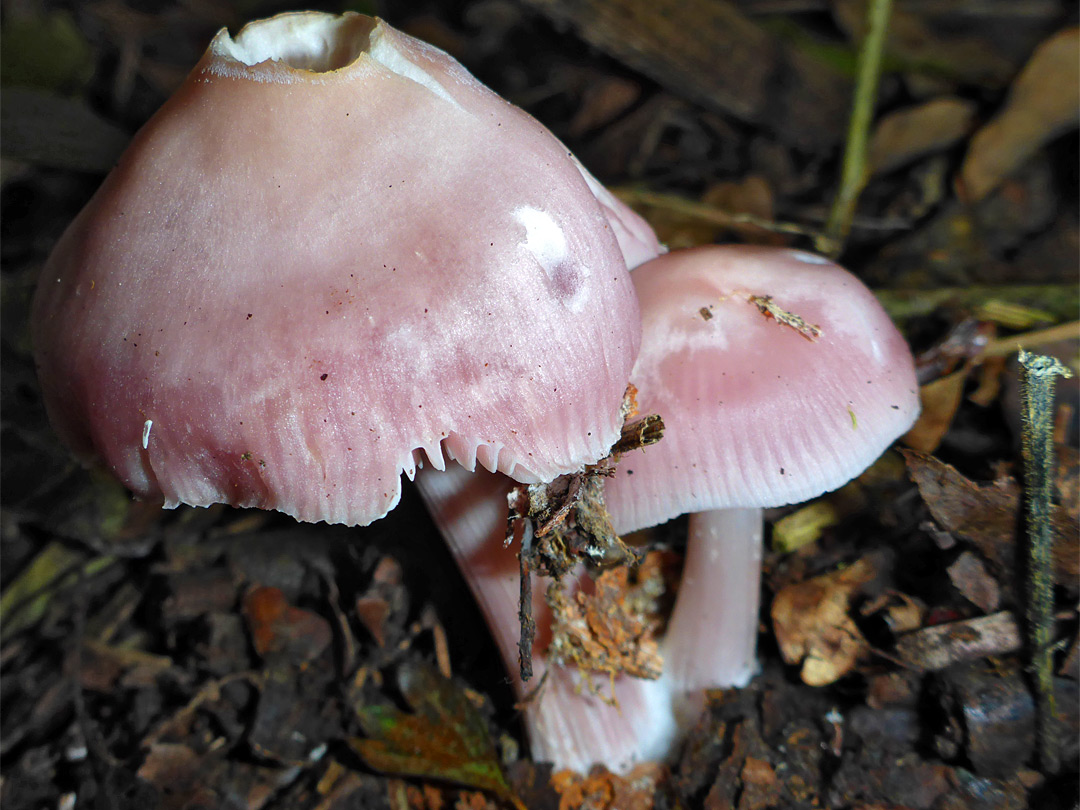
<point x="778" y="375"/>
<point x="331" y="253"/>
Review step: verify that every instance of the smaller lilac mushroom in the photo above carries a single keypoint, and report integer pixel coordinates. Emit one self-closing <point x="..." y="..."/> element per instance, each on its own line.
<point x="779" y="377"/>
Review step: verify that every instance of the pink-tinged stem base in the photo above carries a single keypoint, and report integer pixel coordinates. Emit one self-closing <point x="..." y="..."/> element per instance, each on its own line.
<point x="567" y="725"/>
<point x="712" y="635"/>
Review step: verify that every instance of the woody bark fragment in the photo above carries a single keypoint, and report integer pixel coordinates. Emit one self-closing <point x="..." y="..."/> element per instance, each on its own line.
<point x="987" y="714"/>
<point x="934" y="648"/>
<point x="680" y="43"/>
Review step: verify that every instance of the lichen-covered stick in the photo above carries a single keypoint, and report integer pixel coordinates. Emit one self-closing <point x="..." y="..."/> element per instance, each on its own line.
<point x="1038" y="378"/>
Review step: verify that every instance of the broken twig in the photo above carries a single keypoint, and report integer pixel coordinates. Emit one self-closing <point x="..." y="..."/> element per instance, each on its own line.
<point x="854" y="174"/>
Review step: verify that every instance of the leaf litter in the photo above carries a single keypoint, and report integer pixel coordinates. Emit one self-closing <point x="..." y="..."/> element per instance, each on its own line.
<point x="195" y="693"/>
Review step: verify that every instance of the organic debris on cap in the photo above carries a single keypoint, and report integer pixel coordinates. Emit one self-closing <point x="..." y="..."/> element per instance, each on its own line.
<point x="772" y="310"/>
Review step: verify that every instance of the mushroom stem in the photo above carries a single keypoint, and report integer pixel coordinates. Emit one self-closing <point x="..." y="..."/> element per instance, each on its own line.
<point x="566" y="724"/>
<point x="712" y="634"/>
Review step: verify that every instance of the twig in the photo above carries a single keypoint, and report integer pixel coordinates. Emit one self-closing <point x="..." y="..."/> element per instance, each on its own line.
<point x="1003" y="347"/>
<point x="1040" y="302"/>
<point x="525" y="617"/>
<point x="853" y="175"/>
<point x="1037" y="381"/>
<point x="708" y="213"/>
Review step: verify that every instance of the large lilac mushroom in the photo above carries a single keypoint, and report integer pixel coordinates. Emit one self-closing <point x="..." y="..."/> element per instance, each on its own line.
<point x="331" y="256"/>
<point x="779" y="377"/>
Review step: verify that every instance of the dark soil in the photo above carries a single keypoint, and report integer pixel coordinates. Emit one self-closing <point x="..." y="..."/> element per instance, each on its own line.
<point x="224" y="658"/>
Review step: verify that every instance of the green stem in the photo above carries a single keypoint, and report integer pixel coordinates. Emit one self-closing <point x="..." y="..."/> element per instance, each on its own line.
<point x="853" y="175"/>
<point x="1037" y="381"/>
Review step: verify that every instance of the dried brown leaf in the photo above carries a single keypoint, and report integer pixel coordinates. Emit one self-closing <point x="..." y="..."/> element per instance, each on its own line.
<point x="939" y="400"/>
<point x="443" y="737"/>
<point x="914" y="132"/>
<point x="1070" y="667"/>
<point x="105" y="666"/>
<point x="277" y="627"/>
<point x="988" y="514"/>
<point x="751" y="195"/>
<point x="970" y="577"/>
<point x="1043" y="102"/>
<point x="173" y="769"/>
<point x="605" y="98"/>
<point x="813" y="627"/>
<point x="675" y="43"/>
<point x="373" y="611"/>
<point x="900" y="612"/>
<point x="918" y="45"/>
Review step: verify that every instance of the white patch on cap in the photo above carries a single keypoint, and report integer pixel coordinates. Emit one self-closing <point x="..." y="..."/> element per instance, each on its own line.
<point x="391" y="58"/>
<point x="545" y="240"/>
<point x="149" y="423"/>
<point x="808" y="258"/>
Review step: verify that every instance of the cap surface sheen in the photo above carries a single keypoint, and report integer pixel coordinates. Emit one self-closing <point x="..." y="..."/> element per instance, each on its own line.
<point x="755" y="412"/>
<point x="312" y="267"/>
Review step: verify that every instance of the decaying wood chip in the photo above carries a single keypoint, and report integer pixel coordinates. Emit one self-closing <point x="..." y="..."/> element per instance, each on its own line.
<point x="677" y="43"/>
<point x="640" y="433"/>
<point x="602" y="790"/>
<point x="985" y="712"/>
<point x="937" y="647"/>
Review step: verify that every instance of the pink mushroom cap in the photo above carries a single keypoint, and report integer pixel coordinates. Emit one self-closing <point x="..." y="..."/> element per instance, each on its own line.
<point x="330" y="254"/>
<point x="756" y="413"/>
